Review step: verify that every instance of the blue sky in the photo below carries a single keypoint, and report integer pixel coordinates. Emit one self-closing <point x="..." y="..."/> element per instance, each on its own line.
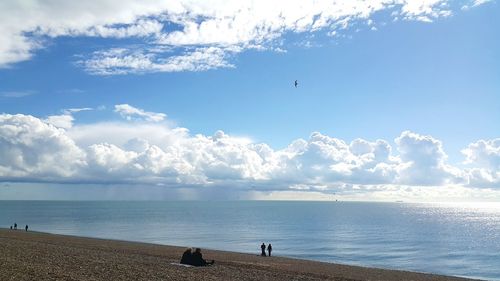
<point x="430" y="69"/>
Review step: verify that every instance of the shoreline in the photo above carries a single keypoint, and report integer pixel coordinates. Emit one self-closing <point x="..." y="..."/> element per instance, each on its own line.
<point x="45" y="256"/>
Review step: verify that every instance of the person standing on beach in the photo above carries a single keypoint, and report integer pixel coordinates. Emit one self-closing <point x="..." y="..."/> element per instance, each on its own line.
<point x="15" y="226"/>
<point x="26" y="228"/>
<point x="263" y="250"/>
<point x="269" y="249"/>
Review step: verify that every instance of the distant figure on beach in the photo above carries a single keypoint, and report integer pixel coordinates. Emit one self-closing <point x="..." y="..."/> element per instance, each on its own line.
<point x="11" y="227"/>
<point x="26" y="228"/>
<point x="296" y="83"/>
<point x="187" y="256"/>
<point x="15" y="225"/>
<point x="263" y="250"/>
<point x="269" y="249"/>
<point x="198" y="259"/>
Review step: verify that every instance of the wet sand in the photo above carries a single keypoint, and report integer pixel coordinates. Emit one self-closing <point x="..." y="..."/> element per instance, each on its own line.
<point x="42" y="256"/>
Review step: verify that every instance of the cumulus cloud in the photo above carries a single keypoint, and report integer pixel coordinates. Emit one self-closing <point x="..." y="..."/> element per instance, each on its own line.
<point x="424" y="161"/>
<point x="141" y="150"/>
<point x="33" y="150"/>
<point x="324" y="160"/>
<point x="485" y="153"/>
<point x="64" y="121"/>
<point x="186" y="35"/>
<point x="484" y="157"/>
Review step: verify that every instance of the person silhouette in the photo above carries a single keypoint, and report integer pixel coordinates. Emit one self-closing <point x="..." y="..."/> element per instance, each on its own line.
<point x="187" y="257"/>
<point x="11" y="227"/>
<point x="26" y="228"/>
<point x="296" y="83"/>
<point x="269" y="249"/>
<point x="15" y="225"/>
<point x="263" y="250"/>
<point x="198" y="259"/>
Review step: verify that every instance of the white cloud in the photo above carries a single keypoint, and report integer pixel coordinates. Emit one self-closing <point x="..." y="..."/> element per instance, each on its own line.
<point x="475" y="3"/>
<point x="424" y="161"/>
<point x="75" y="110"/>
<point x="148" y="152"/>
<point x="484" y="157"/>
<point x="129" y="112"/>
<point x="32" y="150"/>
<point x="141" y="28"/>
<point x="480" y="2"/>
<point x="16" y="94"/>
<point x="426" y="10"/>
<point x="126" y="134"/>
<point x="64" y="121"/>
<point x="485" y="153"/>
<point x="189" y="28"/>
<point x="123" y="61"/>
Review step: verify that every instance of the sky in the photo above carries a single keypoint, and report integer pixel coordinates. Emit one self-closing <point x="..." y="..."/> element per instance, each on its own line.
<point x="184" y="99"/>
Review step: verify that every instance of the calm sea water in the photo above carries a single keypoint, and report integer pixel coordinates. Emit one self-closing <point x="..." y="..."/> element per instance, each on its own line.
<point x="437" y="238"/>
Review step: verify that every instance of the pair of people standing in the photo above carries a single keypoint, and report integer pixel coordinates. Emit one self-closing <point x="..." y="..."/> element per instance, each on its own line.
<point x="263" y="249"/>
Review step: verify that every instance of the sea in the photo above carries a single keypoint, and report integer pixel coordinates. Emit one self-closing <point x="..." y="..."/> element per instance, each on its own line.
<point x="445" y="238"/>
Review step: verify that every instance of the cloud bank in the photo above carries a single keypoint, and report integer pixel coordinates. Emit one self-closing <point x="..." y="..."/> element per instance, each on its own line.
<point x="187" y="35"/>
<point x="150" y="151"/>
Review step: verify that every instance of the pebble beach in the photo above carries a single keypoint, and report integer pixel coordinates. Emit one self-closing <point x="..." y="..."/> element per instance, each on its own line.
<point x="42" y="256"/>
